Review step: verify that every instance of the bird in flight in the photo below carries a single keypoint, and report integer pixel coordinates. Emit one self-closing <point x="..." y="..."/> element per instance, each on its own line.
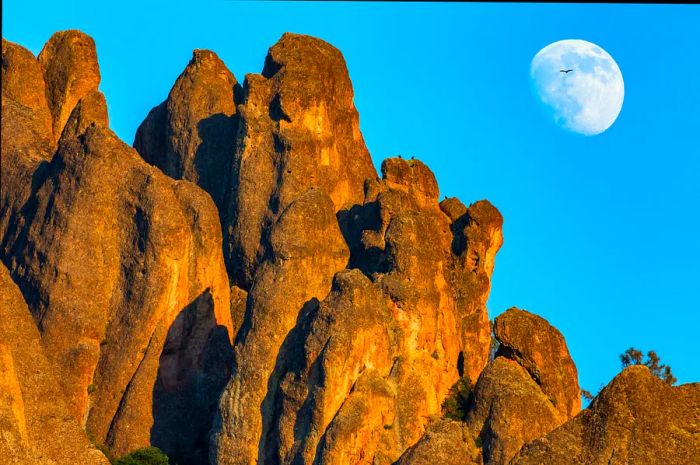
<point x="566" y="71"/>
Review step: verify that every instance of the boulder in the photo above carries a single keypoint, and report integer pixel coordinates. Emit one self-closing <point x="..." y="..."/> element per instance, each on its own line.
<point x="509" y="409"/>
<point x="69" y="63"/>
<point x="636" y="419"/>
<point x="540" y="348"/>
<point x="446" y="442"/>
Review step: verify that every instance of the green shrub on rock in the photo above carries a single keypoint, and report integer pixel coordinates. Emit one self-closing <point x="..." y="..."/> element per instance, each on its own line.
<point x="454" y="405"/>
<point x="144" y="456"/>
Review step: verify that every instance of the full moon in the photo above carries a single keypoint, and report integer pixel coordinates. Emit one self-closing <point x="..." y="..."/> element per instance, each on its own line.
<point x="587" y="99"/>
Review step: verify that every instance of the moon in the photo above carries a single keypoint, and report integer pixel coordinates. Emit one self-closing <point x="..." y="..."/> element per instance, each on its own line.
<point x="586" y="100"/>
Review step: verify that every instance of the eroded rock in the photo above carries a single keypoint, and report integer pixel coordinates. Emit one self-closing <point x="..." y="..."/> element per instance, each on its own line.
<point x="192" y="134"/>
<point x="509" y="406"/>
<point x="350" y="382"/>
<point x="637" y="419"/>
<point x="111" y="262"/>
<point x="121" y="266"/>
<point x="69" y="63"/>
<point x="541" y="350"/>
<point x="27" y="134"/>
<point x="509" y="410"/>
<point x="35" y="427"/>
<point x="307" y="249"/>
<point x="445" y="442"/>
<point x="298" y="129"/>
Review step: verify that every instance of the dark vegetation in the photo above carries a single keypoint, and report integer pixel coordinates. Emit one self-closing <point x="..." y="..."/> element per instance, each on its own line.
<point x="587" y="396"/>
<point x="634" y="356"/>
<point x="652" y="361"/>
<point x="454" y="406"/>
<point x="144" y="456"/>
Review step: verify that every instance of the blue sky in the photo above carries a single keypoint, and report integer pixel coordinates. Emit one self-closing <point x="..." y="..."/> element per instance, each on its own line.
<point x="601" y="233"/>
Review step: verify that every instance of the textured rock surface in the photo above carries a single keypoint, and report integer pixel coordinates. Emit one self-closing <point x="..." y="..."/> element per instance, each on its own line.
<point x="637" y="419"/>
<point x="445" y="442"/>
<point x="91" y="109"/>
<point x="121" y="266"/>
<point x="334" y="399"/>
<point x="192" y="134"/>
<point x="349" y="383"/>
<point x="509" y="410"/>
<point x="27" y="134"/>
<point x="290" y="283"/>
<point x="540" y="348"/>
<point x="298" y="129"/>
<point x="508" y="406"/>
<point x="35" y="427"/>
<point x="69" y="63"/>
<point x="128" y="259"/>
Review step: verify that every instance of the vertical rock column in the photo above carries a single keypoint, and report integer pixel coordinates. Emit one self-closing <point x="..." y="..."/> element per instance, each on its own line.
<point x="122" y="266"/>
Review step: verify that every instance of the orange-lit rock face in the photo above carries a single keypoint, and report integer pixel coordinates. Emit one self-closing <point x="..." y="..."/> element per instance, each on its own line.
<point x="351" y="304"/>
<point x="27" y="135"/>
<point x="509" y="410"/>
<point x="35" y="425"/>
<point x="636" y="419"/>
<point x="192" y="134"/>
<point x="541" y="350"/>
<point x="445" y="442"/>
<point x="114" y="261"/>
<point x="288" y="285"/>
<point x="350" y="382"/>
<point x="69" y="63"/>
<point x="298" y="129"/>
<point x="121" y="265"/>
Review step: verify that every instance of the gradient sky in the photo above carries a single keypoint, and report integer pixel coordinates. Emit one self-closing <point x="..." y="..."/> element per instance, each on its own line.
<point x="601" y="233"/>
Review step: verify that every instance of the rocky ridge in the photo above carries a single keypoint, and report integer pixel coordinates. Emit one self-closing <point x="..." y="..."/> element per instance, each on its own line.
<point x="241" y="287"/>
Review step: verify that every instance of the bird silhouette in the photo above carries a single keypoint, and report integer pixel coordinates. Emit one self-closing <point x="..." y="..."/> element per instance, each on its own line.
<point x="566" y="71"/>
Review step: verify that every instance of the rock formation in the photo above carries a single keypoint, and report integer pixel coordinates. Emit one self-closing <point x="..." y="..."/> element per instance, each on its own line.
<point x="121" y="266"/>
<point x="34" y="423"/>
<point x="637" y="419"/>
<point x="297" y="274"/>
<point x="541" y="350"/>
<point x="509" y="410"/>
<point x="27" y="134"/>
<point x="295" y="127"/>
<point x="445" y="442"/>
<point x="406" y="309"/>
<point x="242" y="288"/>
<point x="69" y="63"/>
<point x="192" y="134"/>
<point x="298" y="129"/>
<point x="516" y="396"/>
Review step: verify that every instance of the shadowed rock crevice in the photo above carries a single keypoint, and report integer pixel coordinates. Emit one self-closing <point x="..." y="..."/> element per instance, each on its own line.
<point x="193" y="370"/>
<point x="213" y="157"/>
<point x="289" y="358"/>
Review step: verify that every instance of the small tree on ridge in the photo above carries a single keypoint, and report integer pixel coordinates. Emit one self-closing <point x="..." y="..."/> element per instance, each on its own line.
<point x="634" y="356"/>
